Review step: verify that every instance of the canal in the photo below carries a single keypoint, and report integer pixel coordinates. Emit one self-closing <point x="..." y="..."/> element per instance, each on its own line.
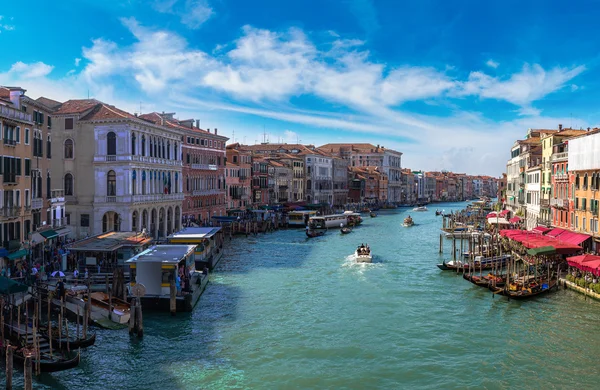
<point x="283" y="311"/>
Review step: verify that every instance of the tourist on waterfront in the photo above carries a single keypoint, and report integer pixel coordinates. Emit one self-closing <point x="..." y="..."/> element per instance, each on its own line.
<point x="60" y="288"/>
<point x="75" y="273"/>
<point x="178" y="284"/>
<point x="86" y="274"/>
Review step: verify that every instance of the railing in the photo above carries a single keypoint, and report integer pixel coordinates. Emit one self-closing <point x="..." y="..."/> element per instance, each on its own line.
<point x="9" y="178"/>
<point x="111" y="199"/>
<point x="207" y="192"/>
<point x="144" y="159"/>
<point x="559" y="156"/>
<point x="561" y="176"/>
<point x="559" y="202"/>
<point x="37" y="203"/>
<point x="14" y="114"/>
<point x="59" y="222"/>
<point x="10" y="211"/>
<point x="206" y="167"/>
<point x="9" y="142"/>
<point x="156" y="197"/>
<point x="111" y="158"/>
<point x="545" y="202"/>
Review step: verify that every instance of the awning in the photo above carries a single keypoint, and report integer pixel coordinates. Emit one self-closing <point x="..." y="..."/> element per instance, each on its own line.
<point x="37" y="238"/>
<point x="49" y="234"/>
<point x="573" y="238"/>
<point x="498" y="221"/>
<point x="586" y="262"/>
<point x="504" y="212"/>
<point x="541" y="229"/>
<point x="515" y="219"/>
<point x="491" y="215"/>
<point x="17" y="254"/>
<point x="63" y="231"/>
<point x="543" y="250"/>
<point x="556" y="232"/>
<point x="9" y="286"/>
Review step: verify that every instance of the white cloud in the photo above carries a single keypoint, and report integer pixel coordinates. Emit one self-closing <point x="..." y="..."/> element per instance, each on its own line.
<point x="77" y="61"/>
<point x="290" y="137"/>
<point x="31" y="71"/>
<point x="192" y="13"/>
<point x="492" y="64"/>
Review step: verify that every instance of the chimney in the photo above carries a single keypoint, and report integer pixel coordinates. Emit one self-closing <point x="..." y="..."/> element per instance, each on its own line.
<point x="15" y="97"/>
<point x="559" y="127"/>
<point x="216" y="131"/>
<point x="588" y="129"/>
<point x="198" y="123"/>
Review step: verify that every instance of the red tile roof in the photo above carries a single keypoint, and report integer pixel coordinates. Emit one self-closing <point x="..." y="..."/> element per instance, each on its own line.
<point x="53" y="104"/>
<point x="104" y="111"/>
<point x="76" y="106"/>
<point x="158" y="119"/>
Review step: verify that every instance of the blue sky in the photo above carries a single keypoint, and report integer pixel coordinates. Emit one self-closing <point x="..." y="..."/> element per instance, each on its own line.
<point x="451" y="84"/>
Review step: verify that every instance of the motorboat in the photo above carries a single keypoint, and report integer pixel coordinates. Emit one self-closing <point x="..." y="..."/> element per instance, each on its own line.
<point x="314" y="233"/>
<point x="363" y="254"/>
<point x="373" y="214"/>
<point x="408" y="222"/>
<point x="345" y="230"/>
<point x="420" y="208"/>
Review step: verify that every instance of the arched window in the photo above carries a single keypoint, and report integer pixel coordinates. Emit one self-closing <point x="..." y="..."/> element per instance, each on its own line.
<point x="132" y="144"/>
<point x="68" y="184"/>
<point x="143" y="145"/>
<point x="151" y="154"/>
<point x="174" y="150"/>
<point x="104" y="223"/>
<point x="163" y="148"/>
<point x="48" y="185"/>
<point x="111" y="184"/>
<point x="68" y="148"/>
<point x="111" y="144"/>
<point x="168" y="150"/>
<point x="176" y="190"/>
<point x="155" y="148"/>
<point x="143" y="182"/>
<point x="133" y="183"/>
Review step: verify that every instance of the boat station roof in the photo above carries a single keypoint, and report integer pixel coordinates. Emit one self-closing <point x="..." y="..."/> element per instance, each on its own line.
<point x="109" y="242"/>
<point x="195" y="233"/>
<point x="166" y="254"/>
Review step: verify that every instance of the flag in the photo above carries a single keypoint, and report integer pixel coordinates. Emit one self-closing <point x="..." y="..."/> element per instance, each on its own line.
<point x="165" y="184"/>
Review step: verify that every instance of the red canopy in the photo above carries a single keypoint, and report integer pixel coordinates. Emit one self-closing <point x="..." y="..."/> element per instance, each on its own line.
<point x="534" y="240"/>
<point x="491" y="215"/>
<point x="573" y="238"/>
<point x="515" y="219"/>
<point x="556" y="232"/>
<point x="590" y="263"/>
<point x="504" y="212"/>
<point x="541" y="229"/>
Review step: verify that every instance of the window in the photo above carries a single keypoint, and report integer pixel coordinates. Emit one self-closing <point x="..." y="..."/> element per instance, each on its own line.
<point x="18" y="170"/>
<point x="111" y="184"/>
<point x="111" y="144"/>
<point x="68" y="217"/>
<point x="18" y="134"/>
<point x="26" y="136"/>
<point x="49" y="121"/>
<point x="49" y="148"/>
<point x="143" y="182"/>
<point x="143" y="145"/>
<point x="133" y="182"/>
<point x="69" y="185"/>
<point x="48" y="186"/>
<point x="85" y="220"/>
<point x="69" y="124"/>
<point x="133" y="144"/>
<point x="68" y="148"/>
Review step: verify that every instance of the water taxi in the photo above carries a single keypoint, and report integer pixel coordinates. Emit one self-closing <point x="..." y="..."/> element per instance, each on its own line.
<point x="207" y="240"/>
<point x="354" y="219"/>
<point x="300" y="218"/>
<point x="408" y="222"/>
<point x="363" y="254"/>
<point x="328" y="221"/>
<point x="420" y="208"/>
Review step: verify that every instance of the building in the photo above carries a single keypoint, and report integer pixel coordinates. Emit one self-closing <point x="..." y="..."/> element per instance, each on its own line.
<point x="280" y="181"/>
<point x="584" y="164"/>
<point x="340" y="181"/>
<point x="260" y="182"/>
<point x="119" y="172"/>
<point x="501" y="191"/>
<point x="319" y="177"/>
<point x="367" y="155"/>
<point x="242" y="159"/>
<point x="532" y="196"/>
<point x="203" y="167"/>
<point x="298" y="179"/>
<point x="17" y="127"/>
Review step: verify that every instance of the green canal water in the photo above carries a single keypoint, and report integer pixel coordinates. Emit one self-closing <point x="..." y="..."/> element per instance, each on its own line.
<point x="283" y="311"/>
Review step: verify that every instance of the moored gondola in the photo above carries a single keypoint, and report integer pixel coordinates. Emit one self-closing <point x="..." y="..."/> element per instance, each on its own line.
<point x="74" y="342"/>
<point x="314" y="233"/>
<point x="48" y="363"/>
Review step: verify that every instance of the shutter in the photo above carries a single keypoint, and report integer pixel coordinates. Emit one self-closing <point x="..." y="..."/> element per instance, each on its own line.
<point x="27" y="167"/>
<point x="41" y="117"/>
<point x="18" y="129"/>
<point x="1" y="198"/>
<point x="49" y="121"/>
<point x="19" y="165"/>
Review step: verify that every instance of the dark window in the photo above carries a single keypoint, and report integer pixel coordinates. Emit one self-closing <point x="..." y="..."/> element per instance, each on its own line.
<point x="68" y="216"/>
<point x="49" y="121"/>
<point x="69" y="148"/>
<point x="69" y="124"/>
<point x="111" y="144"/>
<point x="111" y="184"/>
<point x="18" y="167"/>
<point x="69" y="184"/>
<point x="27" y="167"/>
<point x="133" y="144"/>
<point x="48" y="186"/>
<point x="49" y="148"/>
<point x="143" y="145"/>
<point x="85" y="220"/>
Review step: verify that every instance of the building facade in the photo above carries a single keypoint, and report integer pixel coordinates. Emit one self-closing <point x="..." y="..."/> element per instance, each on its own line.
<point x="340" y="181"/>
<point x="241" y="190"/>
<point x="532" y="196"/>
<point x="319" y="179"/>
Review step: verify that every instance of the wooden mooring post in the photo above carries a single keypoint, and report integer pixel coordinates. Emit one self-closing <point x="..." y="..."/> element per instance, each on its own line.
<point x="132" y="316"/>
<point x="441" y="242"/>
<point x="28" y="374"/>
<point x="9" y="366"/>
<point x="139" y="319"/>
<point x="173" y="298"/>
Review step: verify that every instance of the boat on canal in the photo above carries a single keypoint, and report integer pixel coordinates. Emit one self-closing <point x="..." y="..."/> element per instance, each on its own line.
<point x="363" y="254"/>
<point x="314" y="233"/>
<point x="408" y="222"/>
<point x="530" y="290"/>
<point x="420" y="208"/>
<point x="100" y="305"/>
<point x="299" y="218"/>
<point x="480" y="263"/>
<point x="208" y="242"/>
<point x="486" y="280"/>
<point x="346" y="230"/>
<point x="373" y="214"/>
<point x="72" y="343"/>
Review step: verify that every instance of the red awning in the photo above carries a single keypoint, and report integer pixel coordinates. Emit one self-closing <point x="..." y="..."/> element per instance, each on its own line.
<point x="541" y="229"/>
<point x="590" y="263"/>
<point x="573" y="238"/>
<point x="515" y="219"/>
<point x="491" y="215"/>
<point x="556" y="232"/>
<point x="531" y="240"/>
<point x="504" y="212"/>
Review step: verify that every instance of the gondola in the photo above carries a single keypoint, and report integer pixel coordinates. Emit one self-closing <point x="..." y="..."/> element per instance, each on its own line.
<point x="314" y="233"/>
<point x="484" y="281"/>
<point x="438" y="213"/>
<point x="345" y="230"/>
<point x="373" y="214"/>
<point x="74" y="343"/>
<point x="49" y="364"/>
<point x="537" y="290"/>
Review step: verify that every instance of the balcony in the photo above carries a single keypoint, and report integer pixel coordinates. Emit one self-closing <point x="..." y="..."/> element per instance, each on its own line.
<point x="545" y="202"/>
<point x="14" y="114"/>
<point x="9" y="178"/>
<point x="10" y="142"/>
<point x="559" y="203"/>
<point x="559" y="157"/>
<point x="207" y="192"/>
<point x="110" y="199"/>
<point x="155" y="198"/>
<point x="561" y="176"/>
<point x="59" y="222"/>
<point x="37" y="203"/>
<point x="58" y="196"/>
<point x="205" y="167"/>
<point x="10" y="211"/>
<point x="143" y="159"/>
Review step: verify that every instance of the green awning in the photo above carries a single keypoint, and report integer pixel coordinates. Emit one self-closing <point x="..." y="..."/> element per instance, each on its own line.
<point x="17" y="254"/>
<point x="543" y="250"/>
<point x="49" y="234"/>
<point x="9" y="286"/>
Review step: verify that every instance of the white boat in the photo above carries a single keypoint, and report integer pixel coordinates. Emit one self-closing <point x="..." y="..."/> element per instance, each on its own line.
<point x="408" y="222"/>
<point x="363" y="254"/>
<point x="299" y="218"/>
<point x="99" y="307"/>
<point x="328" y="221"/>
<point x="420" y="208"/>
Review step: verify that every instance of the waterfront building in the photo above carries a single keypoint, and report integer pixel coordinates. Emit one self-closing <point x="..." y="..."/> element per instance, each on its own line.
<point x="501" y="188"/>
<point x="16" y="125"/>
<point x="367" y="155"/>
<point x="532" y="195"/>
<point x="340" y="181"/>
<point x="408" y="191"/>
<point x="584" y="164"/>
<point x="549" y="140"/>
<point x="280" y="181"/>
<point x="429" y="188"/>
<point x="203" y="167"/>
<point x="233" y="187"/>
<point x="319" y="179"/>
<point x="119" y="172"/>
<point x="260" y="181"/>
<point x="298" y="179"/>
<point x="241" y="190"/>
<point x="373" y="184"/>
